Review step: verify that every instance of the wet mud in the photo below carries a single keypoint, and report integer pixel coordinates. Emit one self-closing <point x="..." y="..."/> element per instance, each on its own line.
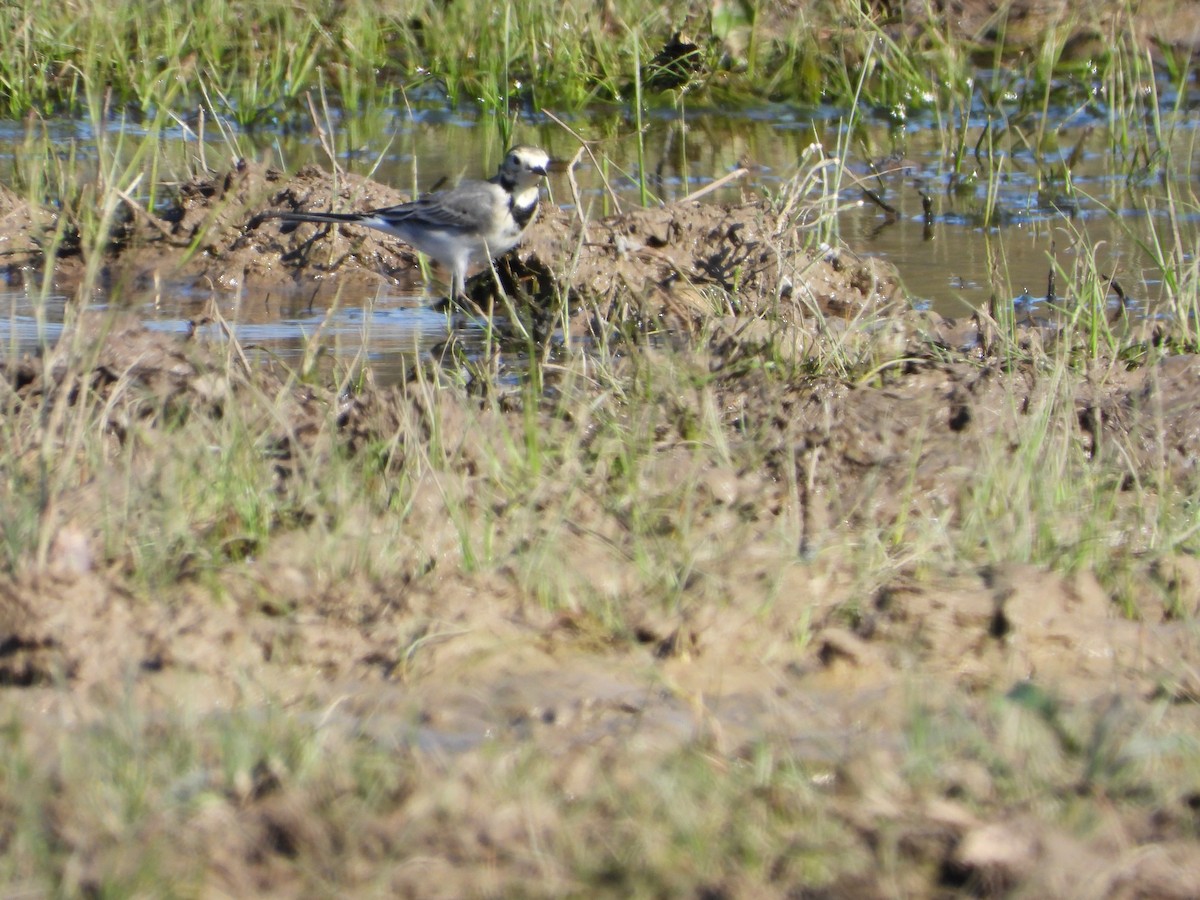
<point x="773" y="636"/>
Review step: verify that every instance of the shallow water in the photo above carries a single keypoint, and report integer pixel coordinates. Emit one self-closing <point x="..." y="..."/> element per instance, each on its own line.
<point x="956" y="260"/>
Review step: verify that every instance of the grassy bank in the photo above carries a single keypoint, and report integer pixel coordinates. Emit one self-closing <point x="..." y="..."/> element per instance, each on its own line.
<point x="255" y="62"/>
<point x="642" y="623"/>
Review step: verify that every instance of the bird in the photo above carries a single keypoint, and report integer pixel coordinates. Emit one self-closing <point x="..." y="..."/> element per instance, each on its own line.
<point x="469" y="223"/>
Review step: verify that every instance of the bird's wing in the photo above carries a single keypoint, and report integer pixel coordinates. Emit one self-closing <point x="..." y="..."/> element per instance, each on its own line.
<point x="468" y="207"/>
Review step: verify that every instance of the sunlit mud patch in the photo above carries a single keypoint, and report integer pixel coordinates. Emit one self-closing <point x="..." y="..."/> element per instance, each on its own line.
<point x="234" y="247"/>
<point x="210" y="234"/>
<point x="679" y="266"/>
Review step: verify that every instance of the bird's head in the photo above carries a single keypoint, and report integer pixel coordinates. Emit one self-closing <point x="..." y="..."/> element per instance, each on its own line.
<point x="524" y="166"/>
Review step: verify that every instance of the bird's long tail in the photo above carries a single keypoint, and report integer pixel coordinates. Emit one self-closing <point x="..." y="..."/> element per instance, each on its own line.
<point x="313" y="217"/>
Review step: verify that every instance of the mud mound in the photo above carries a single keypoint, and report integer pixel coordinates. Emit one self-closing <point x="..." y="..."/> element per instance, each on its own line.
<point x="23" y="229"/>
<point x="676" y="266"/>
<point x="140" y="373"/>
<point x="910" y="443"/>
<point x="213" y="233"/>
<point x="1153" y="416"/>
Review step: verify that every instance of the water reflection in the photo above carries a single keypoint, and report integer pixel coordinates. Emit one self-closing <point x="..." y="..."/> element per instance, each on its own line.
<point x="384" y="332"/>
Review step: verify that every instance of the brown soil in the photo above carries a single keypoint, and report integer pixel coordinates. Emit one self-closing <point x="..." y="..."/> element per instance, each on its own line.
<point x="775" y="636"/>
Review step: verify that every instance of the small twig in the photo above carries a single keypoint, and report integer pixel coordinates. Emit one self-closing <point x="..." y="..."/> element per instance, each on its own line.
<point x="1116" y="288"/>
<point x="200" y="140"/>
<point x="1051" y="288"/>
<point x="214" y="315"/>
<point x="575" y="198"/>
<point x="322" y="135"/>
<point x="1077" y="152"/>
<point x="889" y="210"/>
<point x="586" y="144"/>
<point x="508" y="304"/>
<point x="715" y="185"/>
<point x="979" y="143"/>
<point x="189" y="133"/>
<point x="144" y="213"/>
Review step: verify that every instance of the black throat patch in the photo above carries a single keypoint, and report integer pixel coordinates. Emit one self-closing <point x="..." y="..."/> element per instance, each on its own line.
<point x="522" y="214"/>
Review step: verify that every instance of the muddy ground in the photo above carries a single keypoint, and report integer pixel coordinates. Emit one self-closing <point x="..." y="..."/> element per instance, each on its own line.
<point x="951" y="722"/>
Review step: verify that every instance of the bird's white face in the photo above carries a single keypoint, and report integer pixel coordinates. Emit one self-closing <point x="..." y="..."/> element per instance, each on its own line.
<point x="525" y="166"/>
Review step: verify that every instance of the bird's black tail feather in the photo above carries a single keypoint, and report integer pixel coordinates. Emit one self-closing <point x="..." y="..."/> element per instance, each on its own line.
<point x="314" y="217"/>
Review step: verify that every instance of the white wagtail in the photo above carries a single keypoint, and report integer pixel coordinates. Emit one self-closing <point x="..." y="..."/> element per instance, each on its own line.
<point x="474" y="221"/>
